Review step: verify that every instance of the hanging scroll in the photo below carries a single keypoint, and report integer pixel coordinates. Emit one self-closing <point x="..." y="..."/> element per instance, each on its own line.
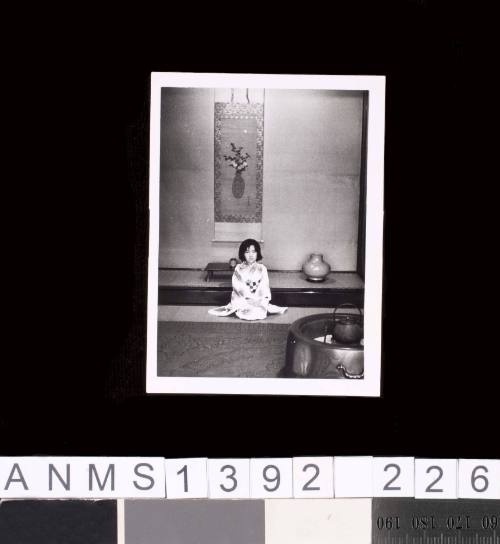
<point x="239" y="150"/>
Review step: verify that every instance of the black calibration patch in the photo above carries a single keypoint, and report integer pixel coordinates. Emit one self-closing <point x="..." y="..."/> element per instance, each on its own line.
<point x="420" y="521"/>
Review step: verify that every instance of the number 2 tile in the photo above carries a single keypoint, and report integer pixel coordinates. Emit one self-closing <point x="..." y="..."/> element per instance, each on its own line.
<point x="313" y="477"/>
<point x="436" y="478"/>
<point x="393" y="476"/>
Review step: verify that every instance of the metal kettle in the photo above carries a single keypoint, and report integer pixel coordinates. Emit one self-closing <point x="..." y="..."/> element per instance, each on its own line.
<point x="347" y="328"/>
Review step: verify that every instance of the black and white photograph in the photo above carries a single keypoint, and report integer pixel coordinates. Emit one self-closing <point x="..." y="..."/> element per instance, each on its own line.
<point x="266" y="233"/>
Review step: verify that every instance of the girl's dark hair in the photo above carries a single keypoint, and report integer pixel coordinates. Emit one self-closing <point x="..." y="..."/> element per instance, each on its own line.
<point x="245" y="245"/>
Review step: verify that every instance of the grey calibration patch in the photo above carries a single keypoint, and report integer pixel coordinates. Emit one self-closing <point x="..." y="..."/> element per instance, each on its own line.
<point x="453" y="521"/>
<point x="58" y="522"/>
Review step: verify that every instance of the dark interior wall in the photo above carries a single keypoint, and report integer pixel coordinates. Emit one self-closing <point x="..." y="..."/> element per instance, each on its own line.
<point x="312" y="154"/>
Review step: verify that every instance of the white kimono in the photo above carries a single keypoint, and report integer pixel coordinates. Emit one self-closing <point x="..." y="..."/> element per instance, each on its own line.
<point x="251" y="294"/>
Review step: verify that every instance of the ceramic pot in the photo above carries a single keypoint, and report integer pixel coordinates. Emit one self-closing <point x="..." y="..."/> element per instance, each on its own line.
<point x="315" y="268"/>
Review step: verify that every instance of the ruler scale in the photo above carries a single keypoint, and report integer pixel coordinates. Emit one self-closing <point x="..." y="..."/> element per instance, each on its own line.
<point x="411" y="521"/>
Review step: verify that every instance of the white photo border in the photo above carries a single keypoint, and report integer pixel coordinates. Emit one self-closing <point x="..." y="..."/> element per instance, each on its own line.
<point x="370" y="385"/>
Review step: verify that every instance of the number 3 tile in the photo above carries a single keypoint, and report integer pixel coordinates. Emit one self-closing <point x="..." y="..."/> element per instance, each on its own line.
<point x="229" y="478"/>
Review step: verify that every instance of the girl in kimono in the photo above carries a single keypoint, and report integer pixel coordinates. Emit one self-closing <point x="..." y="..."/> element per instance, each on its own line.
<point x="250" y="299"/>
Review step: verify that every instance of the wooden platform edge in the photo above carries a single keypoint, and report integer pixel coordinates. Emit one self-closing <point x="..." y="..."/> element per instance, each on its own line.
<point x="217" y="296"/>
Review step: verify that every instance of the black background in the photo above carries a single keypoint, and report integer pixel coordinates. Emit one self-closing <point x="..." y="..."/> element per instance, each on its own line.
<point x="73" y="371"/>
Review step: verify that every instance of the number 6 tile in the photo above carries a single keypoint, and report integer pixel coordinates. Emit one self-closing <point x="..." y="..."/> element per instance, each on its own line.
<point x="479" y="479"/>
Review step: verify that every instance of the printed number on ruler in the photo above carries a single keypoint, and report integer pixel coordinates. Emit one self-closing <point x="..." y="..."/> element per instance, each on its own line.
<point x="478" y="479"/>
<point x="229" y="478"/>
<point x="271" y="478"/>
<point x="313" y="477"/>
<point x="436" y="478"/>
<point x="186" y="478"/>
<point x="393" y="476"/>
<point x="429" y="521"/>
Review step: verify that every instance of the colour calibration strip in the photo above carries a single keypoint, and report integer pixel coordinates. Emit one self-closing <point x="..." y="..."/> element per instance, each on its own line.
<point x="262" y="521"/>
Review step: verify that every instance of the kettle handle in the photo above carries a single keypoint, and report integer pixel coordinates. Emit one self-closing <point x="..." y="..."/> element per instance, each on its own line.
<point x="348" y="304"/>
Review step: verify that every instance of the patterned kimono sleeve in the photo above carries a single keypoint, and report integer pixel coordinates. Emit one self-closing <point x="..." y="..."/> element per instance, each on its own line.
<point x="264" y="290"/>
<point x="238" y="295"/>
